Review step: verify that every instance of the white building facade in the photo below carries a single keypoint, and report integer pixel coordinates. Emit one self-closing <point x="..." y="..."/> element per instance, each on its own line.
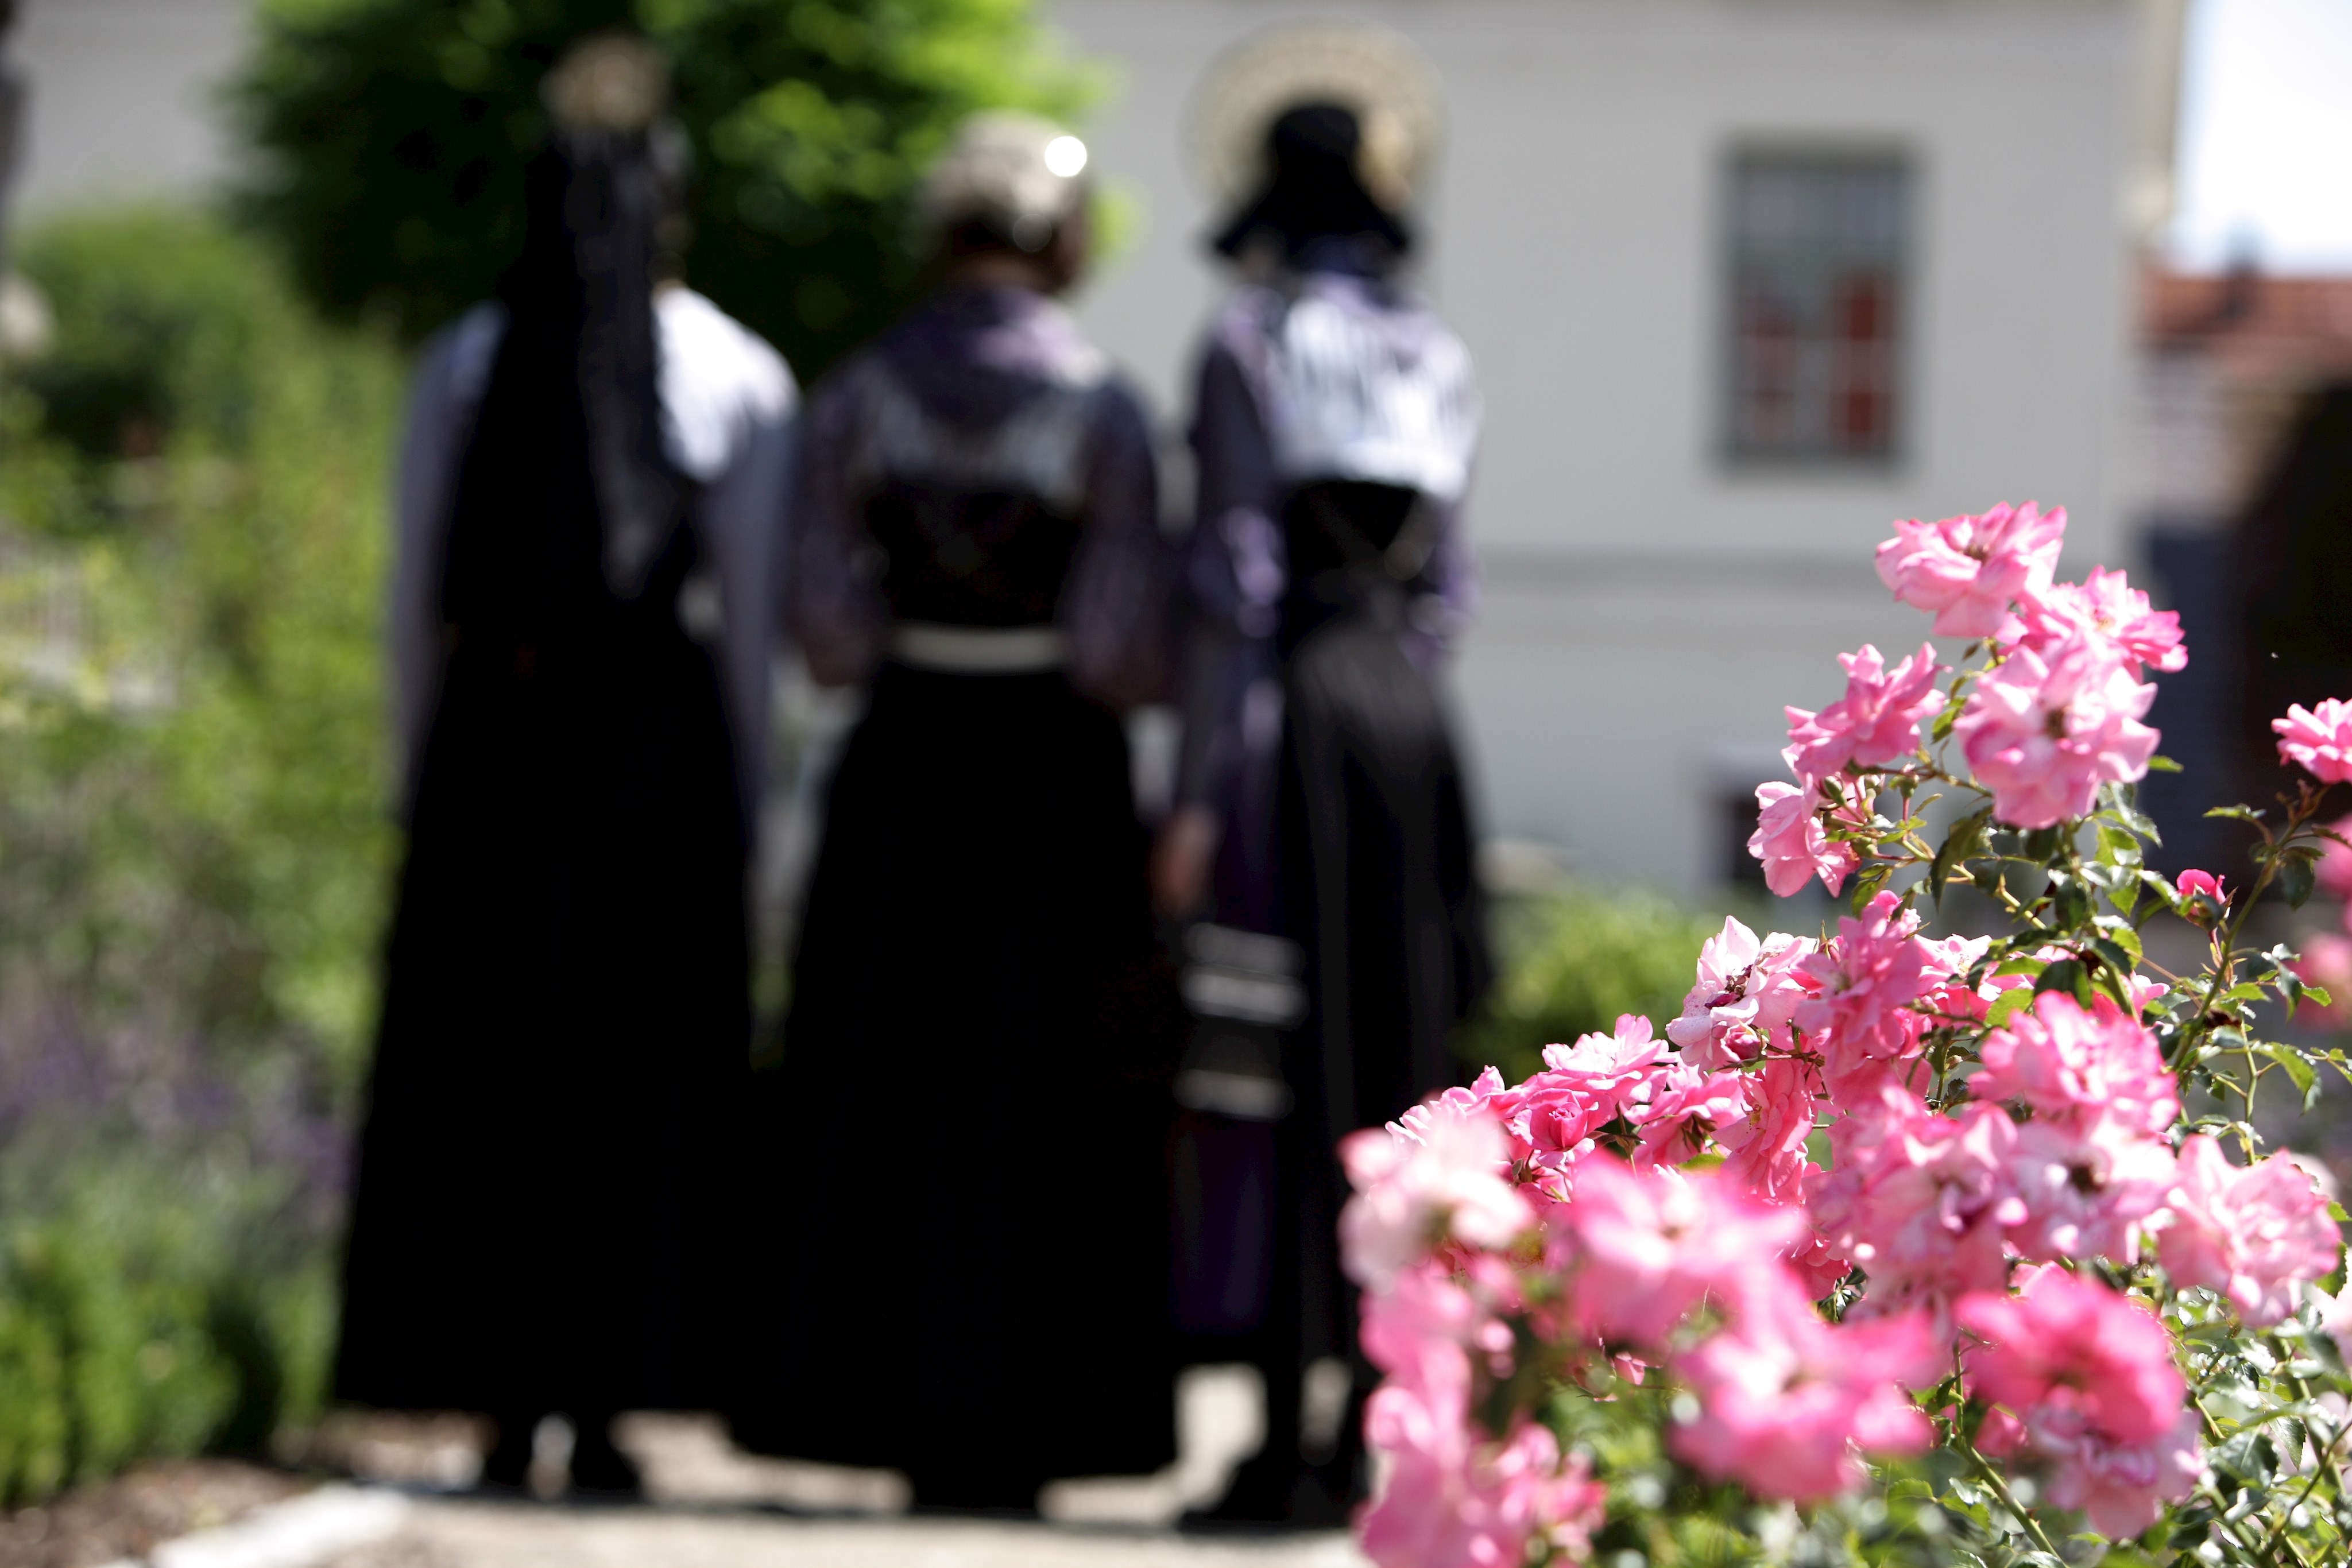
<point x="1745" y="279"/>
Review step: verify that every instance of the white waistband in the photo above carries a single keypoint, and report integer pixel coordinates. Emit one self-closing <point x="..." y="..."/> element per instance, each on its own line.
<point x="978" y="650"/>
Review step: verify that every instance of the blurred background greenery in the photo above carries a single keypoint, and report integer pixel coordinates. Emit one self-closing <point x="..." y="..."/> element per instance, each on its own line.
<point x="193" y="847"/>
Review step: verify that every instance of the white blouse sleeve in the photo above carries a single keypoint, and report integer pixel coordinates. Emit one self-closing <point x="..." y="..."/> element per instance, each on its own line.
<point x="728" y="405"/>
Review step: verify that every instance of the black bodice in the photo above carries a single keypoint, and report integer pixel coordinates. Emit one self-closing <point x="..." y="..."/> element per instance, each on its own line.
<point x="970" y="558"/>
<point x="1354" y="547"/>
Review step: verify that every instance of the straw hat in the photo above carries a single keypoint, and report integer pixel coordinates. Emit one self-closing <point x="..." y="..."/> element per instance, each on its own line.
<point x="1018" y="173"/>
<point x="607" y="81"/>
<point x="1359" y="66"/>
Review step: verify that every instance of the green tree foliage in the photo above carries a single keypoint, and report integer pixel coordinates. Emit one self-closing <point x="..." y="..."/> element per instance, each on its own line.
<point x="193" y="845"/>
<point x="395" y="133"/>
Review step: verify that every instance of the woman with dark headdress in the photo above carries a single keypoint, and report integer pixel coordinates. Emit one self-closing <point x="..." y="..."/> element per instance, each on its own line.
<point x="589" y="496"/>
<point x="1320" y="798"/>
<point x="968" y="1120"/>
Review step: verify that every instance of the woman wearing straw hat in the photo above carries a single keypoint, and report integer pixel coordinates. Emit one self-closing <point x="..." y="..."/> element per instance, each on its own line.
<point x="1321" y="797"/>
<point x="969" y="1117"/>
<point x="589" y="499"/>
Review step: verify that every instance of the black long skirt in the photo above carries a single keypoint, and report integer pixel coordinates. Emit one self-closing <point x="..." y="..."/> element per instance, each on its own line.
<point x="544" y="1211"/>
<point x="1379" y="888"/>
<point x="964" y="1142"/>
<point x="1379" y="878"/>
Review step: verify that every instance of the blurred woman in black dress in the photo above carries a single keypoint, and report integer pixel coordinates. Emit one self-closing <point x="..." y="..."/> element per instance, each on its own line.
<point x="1320" y="798"/>
<point x="966" y="1129"/>
<point x="590" y="499"/>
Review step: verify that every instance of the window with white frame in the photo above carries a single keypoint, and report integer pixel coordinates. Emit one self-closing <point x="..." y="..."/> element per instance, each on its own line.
<point x="1817" y="246"/>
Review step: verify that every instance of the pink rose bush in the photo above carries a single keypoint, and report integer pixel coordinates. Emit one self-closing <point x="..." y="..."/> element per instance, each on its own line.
<point x="1949" y="1245"/>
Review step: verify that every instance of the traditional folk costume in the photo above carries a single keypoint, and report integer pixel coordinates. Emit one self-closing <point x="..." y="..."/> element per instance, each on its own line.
<point x="590" y="499"/>
<point x="1334" y="430"/>
<point x="966" y="1133"/>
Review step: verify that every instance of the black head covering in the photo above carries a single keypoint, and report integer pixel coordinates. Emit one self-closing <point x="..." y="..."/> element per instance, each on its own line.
<point x="1313" y="191"/>
<point x="568" y="496"/>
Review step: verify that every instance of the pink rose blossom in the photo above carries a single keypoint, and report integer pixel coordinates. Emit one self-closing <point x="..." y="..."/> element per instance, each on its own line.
<point x="1919" y="1201"/>
<point x="2045" y="728"/>
<point x="2320" y="739"/>
<point x="1869" y="976"/>
<point x="2002" y="1436"/>
<point x="2200" y="885"/>
<point x="1969" y="570"/>
<point x="1630" y="1053"/>
<point x="2203" y="899"/>
<point x="1877" y="721"/>
<point x="1815" y="1262"/>
<point x="1787" y="1400"/>
<point x="2065" y="1344"/>
<point x="1950" y="958"/>
<point x="1790" y="841"/>
<point x="2084" y="1380"/>
<point x="1583" y="1089"/>
<point x="1650" y="1245"/>
<point x="1949" y="996"/>
<point x="2106" y="607"/>
<point x="2077" y="1066"/>
<point x="2256" y="1233"/>
<point x="2086" y="1189"/>
<point x="1446" y="1173"/>
<point x="1745" y="993"/>
<point x="2120" y="1488"/>
<point x="1765" y="1148"/>
<point x="1422" y="1330"/>
<point x="1454" y="1497"/>
<point x="1685" y="1110"/>
<point x="1482" y="1095"/>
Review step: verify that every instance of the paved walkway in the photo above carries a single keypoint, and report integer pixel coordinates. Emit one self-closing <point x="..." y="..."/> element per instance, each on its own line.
<point x="714" y="1506"/>
<point x="465" y="1534"/>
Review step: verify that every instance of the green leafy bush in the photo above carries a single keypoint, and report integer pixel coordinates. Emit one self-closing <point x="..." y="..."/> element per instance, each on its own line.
<point x="137" y="1321"/>
<point x="193" y="846"/>
<point x="191" y="798"/>
<point x="1573" y="960"/>
<point x="395" y="133"/>
<point x="156" y="317"/>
